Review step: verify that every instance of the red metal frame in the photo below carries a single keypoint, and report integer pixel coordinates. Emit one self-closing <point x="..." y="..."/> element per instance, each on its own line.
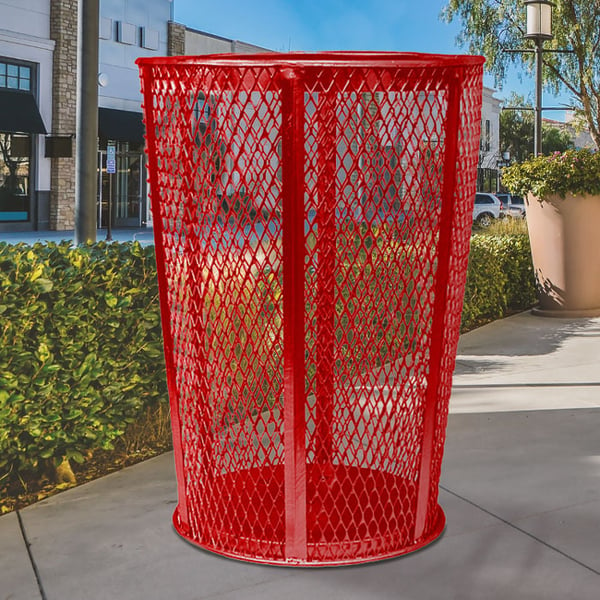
<point x="292" y="100"/>
<point x="312" y="216"/>
<point x="444" y="254"/>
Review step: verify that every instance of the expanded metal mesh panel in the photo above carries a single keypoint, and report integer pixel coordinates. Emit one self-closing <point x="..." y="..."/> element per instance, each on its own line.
<point x="312" y="217"/>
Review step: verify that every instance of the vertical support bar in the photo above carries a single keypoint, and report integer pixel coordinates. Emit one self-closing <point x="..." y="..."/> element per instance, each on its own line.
<point x="325" y="249"/>
<point x="171" y="369"/>
<point x="537" y="134"/>
<point x="441" y="293"/>
<point x="292" y="140"/>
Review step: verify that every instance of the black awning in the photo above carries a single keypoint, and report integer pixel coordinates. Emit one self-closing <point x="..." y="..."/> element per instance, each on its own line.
<point x="19" y="113"/>
<point x="120" y="125"/>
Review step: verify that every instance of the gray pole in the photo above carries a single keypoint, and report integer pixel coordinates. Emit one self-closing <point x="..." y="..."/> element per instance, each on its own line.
<point x="87" y="122"/>
<point x="539" y="43"/>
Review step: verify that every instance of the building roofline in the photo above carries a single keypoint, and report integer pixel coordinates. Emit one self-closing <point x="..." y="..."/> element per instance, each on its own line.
<point x="206" y="33"/>
<point x="214" y="36"/>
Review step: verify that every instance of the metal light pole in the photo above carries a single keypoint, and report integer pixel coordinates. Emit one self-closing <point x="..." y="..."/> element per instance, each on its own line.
<point x="87" y="122"/>
<point x="539" y="29"/>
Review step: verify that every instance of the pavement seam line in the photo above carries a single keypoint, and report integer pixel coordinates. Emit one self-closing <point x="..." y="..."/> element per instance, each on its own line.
<point x="465" y="386"/>
<point x="519" y="529"/>
<point x="31" y="559"/>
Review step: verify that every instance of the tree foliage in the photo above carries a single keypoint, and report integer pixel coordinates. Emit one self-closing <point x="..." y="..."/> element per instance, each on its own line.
<point x="516" y="132"/>
<point x="491" y="26"/>
<point x="555" y="140"/>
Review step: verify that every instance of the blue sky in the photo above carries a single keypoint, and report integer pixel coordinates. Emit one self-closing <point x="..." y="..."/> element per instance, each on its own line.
<point x="313" y="25"/>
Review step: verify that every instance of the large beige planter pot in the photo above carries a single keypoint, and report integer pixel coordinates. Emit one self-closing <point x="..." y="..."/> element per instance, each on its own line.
<point x="565" y="247"/>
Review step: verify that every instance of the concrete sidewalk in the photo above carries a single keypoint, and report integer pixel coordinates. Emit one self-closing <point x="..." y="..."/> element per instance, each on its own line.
<point x="144" y="235"/>
<point x="520" y="488"/>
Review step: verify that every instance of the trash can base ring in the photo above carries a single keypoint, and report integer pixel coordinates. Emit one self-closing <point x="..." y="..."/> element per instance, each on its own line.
<point x="270" y="547"/>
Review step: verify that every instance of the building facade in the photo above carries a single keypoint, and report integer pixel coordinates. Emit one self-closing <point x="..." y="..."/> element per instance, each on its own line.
<point x="490" y="153"/>
<point x="38" y="109"/>
<point x="26" y="98"/>
<point x="576" y="128"/>
<point x="38" y="106"/>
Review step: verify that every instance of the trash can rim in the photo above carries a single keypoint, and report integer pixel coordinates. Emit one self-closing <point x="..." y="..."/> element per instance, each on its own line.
<point x="319" y="59"/>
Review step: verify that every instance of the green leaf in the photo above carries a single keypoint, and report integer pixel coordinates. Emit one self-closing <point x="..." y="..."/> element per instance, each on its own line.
<point x="111" y="300"/>
<point x="76" y="456"/>
<point x="43" y="286"/>
<point x="36" y="273"/>
<point x="43" y="352"/>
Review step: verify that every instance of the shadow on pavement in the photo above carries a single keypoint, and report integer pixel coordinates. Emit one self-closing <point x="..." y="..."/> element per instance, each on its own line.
<point x="522" y="335"/>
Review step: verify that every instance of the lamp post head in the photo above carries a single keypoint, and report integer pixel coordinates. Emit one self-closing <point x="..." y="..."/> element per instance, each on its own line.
<point x="539" y="19"/>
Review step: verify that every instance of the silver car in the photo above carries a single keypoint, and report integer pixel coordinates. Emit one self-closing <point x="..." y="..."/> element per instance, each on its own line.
<point x="487" y="207"/>
<point x="514" y="205"/>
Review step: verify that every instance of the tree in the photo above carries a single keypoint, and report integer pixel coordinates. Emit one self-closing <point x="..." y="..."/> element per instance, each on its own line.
<point x="554" y="139"/>
<point x="516" y="132"/>
<point x="491" y="26"/>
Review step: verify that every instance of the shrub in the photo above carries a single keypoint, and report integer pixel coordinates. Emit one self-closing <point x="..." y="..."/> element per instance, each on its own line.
<point x="574" y="172"/>
<point x="81" y="350"/>
<point x="81" y="354"/>
<point x="500" y="278"/>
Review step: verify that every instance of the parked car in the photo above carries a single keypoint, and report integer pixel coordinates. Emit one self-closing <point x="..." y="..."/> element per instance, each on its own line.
<point x="487" y="207"/>
<point x="514" y="205"/>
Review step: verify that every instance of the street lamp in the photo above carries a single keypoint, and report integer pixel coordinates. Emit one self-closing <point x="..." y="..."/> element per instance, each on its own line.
<point x="539" y="29"/>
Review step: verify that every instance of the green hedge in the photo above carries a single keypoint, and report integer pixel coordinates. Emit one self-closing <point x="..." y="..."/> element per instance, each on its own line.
<point x="500" y="278"/>
<point x="81" y="349"/>
<point x="81" y="353"/>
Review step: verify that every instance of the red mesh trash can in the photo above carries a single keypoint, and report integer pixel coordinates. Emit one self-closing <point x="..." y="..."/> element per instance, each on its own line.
<point x="312" y="216"/>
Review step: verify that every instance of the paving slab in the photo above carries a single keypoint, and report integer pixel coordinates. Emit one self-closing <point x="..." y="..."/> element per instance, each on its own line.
<point x="506" y="397"/>
<point x="525" y="349"/>
<point x="113" y="538"/>
<point x="495" y="563"/>
<point x="520" y="488"/>
<point x="524" y="463"/>
<point x="575" y="530"/>
<point x="106" y="540"/>
<point x="17" y="577"/>
<point x="144" y="235"/>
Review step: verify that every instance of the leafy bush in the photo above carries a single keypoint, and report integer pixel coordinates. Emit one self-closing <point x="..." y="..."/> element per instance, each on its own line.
<point x="81" y="350"/>
<point x="574" y="172"/>
<point x="500" y="278"/>
<point x="81" y="354"/>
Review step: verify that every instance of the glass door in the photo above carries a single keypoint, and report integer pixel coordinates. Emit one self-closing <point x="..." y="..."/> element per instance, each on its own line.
<point x="125" y="188"/>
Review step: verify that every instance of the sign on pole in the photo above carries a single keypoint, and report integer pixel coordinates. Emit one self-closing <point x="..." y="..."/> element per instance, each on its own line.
<point x="111" y="168"/>
<point x="111" y="161"/>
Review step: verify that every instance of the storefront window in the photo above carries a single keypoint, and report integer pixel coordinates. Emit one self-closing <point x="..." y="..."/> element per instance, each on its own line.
<point x="15" y="77"/>
<point x="14" y="177"/>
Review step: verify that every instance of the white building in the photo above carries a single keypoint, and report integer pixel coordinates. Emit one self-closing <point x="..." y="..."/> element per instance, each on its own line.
<point x="490" y="153"/>
<point x="38" y="74"/>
